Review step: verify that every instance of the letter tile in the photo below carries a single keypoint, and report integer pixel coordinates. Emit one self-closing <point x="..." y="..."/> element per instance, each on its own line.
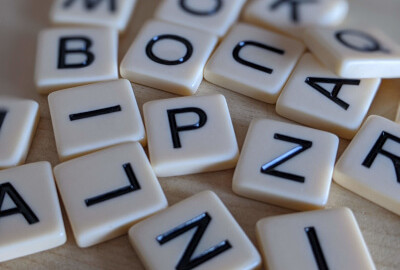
<point x="286" y="165"/>
<point x="293" y="16"/>
<point x="355" y="53"/>
<point x="30" y="213"/>
<point x="95" y="116"/>
<point x="190" y="135"/>
<point x="168" y="240"/>
<point x="316" y="97"/>
<point x="168" y="57"/>
<point x="18" y="121"/>
<point x="212" y="16"/>
<point x="68" y="57"/>
<point x="324" y="239"/>
<point x="106" y="192"/>
<point x="254" y="62"/>
<point x="109" y="13"/>
<point x="370" y="166"/>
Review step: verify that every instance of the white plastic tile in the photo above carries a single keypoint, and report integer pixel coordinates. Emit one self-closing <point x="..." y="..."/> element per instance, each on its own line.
<point x="316" y="97"/>
<point x="196" y="233"/>
<point x="320" y="240"/>
<point x="370" y="165"/>
<point x="213" y="16"/>
<point x="110" y="13"/>
<point x="190" y="135"/>
<point x="254" y="62"/>
<point x="30" y="214"/>
<point x="73" y="56"/>
<point x="168" y="57"/>
<point x="286" y="165"/>
<point x="355" y="53"/>
<point x="293" y="16"/>
<point x="106" y="192"/>
<point x="18" y="121"/>
<point x="95" y="116"/>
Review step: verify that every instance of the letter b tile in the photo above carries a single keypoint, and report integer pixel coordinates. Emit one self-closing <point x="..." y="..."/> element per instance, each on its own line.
<point x="316" y="240"/>
<point x="196" y="233"/>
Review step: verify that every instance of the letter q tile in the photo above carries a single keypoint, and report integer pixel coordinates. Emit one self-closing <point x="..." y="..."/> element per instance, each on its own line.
<point x="168" y="57"/>
<point x="106" y="192"/>
<point x="30" y="213"/>
<point x="196" y="233"/>
<point x="320" y="240"/>
<point x="285" y="164"/>
<point x="95" y="116"/>
<point x="190" y="135"/>
<point x="370" y="165"/>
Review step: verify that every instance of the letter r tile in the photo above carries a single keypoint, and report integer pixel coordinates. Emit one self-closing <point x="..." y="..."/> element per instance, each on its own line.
<point x="320" y="240"/>
<point x="286" y="165"/>
<point x="370" y="165"/>
<point x="193" y="234"/>
<point x="106" y="192"/>
<point x="190" y="135"/>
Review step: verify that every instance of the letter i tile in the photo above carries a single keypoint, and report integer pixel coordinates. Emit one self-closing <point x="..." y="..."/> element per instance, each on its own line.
<point x="30" y="214"/>
<point x="285" y="164"/>
<point x="190" y="135"/>
<point x="196" y="233"/>
<point x="106" y="192"/>
<point x="320" y="240"/>
<point x="68" y="57"/>
<point x="254" y="62"/>
<point x="370" y="165"/>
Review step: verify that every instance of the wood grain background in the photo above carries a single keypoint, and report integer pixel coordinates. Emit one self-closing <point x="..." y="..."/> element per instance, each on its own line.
<point x="20" y="22"/>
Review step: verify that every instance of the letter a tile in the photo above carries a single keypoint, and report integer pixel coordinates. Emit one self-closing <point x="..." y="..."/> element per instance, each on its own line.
<point x="106" y="192"/>
<point x="285" y="164"/>
<point x="320" y="240"/>
<point x="68" y="57"/>
<point x="95" y="116"/>
<point x="196" y="233"/>
<point x="30" y="214"/>
<point x="317" y="97"/>
<point x="253" y="62"/>
<point x="18" y="121"/>
<point x="168" y="57"/>
<point x="190" y="135"/>
<point x="370" y="166"/>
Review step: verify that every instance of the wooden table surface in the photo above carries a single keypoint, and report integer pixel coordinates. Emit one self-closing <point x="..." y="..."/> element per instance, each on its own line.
<point x="20" y="22"/>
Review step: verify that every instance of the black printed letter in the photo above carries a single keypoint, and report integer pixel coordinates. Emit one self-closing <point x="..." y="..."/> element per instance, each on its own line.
<point x="370" y="43"/>
<point x="215" y="9"/>
<point x="378" y="149"/>
<point x="239" y="59"/>
<point x="294" y="4"/>
<point x="155" y="58"/>
<point x="63" y="51"/>
<point x="133" y="186"/>
<point x="316" y="248"/>
<point x="83" y="115"/>
<point x="91" y="4"/>
<point x="313" y="82"/>
<point x="269" y="168"/>
<point x="187" y="262"/>
<point x="21" y="206"/>
<point x="3" y="114"/>
<point x="175" y="129"/>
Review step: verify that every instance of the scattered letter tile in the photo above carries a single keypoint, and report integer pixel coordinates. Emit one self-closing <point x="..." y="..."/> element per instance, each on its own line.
<point x="254" y="62"/>
<point x="106" y="192"/>
<point x="190" y="135"/>
<point x="355" y="53"/>
<point x="30" y="214"/>
<point x="370" y="166"/>
<point x="68" y="57"/>
<point x="316" y="97"/>
<point x="18" y="121"/>
<point x="215" y="16"/>
<point x="324" y="239"/>
<point x="95" y="116"/>
<point x="168" y="57"/>
<point x="198" y="232"/>
<point x="109" y="13"/>
<point x="285" y="164"/>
